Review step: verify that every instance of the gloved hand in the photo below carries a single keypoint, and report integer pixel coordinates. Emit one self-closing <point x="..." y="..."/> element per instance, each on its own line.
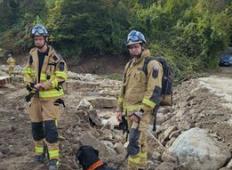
<point x="136" y="116"/>
<point x="123" y="125"/>
<point x="32" y="91"/>
<point x="139" y="114"/>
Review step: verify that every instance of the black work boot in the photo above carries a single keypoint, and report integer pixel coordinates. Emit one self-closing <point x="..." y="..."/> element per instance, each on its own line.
<point x="39" y="158"/>
<point x="53" y="164"/>
<point x="43" y="157"/>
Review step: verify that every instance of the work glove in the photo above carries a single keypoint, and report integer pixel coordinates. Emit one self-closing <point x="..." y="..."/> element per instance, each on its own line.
<point x="30" y="87"/>
<point x="136" y="116"/>
<point x="123" y="125"/>
<point x="32" y="91"/>
<point x="139" y="114"/>
<point x="57" y="102"/>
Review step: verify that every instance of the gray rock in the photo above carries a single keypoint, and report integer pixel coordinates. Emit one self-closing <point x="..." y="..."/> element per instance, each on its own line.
<point x="93" y="116"/>
<point x="103" y="102"/>
<point x="166" y="133"/>
<point x="151" y="165"/>
<point x="163" y="110"/>
<point x="225" y="168"/>
<point x="1" y="155"/>
<point x="107" y="135"/>
<point x="89" y="139"/>
<point x="119" y="148"/>
<point x="174" y="134"/>
<point x="73" y="85"/>
<point x="184" y="125"/>
<point x="170" y="142"/>
<point x="168" y="157"/>
<point x="156" y="156"/>
<point x="161" y="118"/>
<point x="108" y="92"/>
<point x="84" y="105"/>
<point x="196" y="150"/>
<point x="83" y="77"/>
<point x="166" y="166"/>
<point x="108" y="143"/>
<point x="229" y="165"/>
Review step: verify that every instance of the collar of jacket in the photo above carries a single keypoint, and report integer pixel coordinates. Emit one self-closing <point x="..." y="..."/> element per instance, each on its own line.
<point x="51" y="57"/>
<point x="145" y="53"/>
<point x="51" y="51"/>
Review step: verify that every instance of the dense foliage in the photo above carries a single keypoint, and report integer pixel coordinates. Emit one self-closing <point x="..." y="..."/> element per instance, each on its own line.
<point x="189" y="33"/>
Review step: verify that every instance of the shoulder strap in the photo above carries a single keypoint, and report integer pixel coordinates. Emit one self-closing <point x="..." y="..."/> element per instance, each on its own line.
<point x="126" y="69"/>
<point x="146" y="62"/>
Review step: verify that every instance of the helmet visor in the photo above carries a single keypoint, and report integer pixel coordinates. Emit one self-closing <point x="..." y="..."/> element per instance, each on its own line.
<point x="38" y="31"/>
<point x="133" y="38"/>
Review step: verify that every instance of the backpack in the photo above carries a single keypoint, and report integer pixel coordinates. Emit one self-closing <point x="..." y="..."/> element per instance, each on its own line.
<point x="166" y="92"/>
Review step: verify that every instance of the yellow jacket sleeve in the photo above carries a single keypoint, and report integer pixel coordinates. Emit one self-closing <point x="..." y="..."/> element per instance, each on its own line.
<point x="28" y="75"/>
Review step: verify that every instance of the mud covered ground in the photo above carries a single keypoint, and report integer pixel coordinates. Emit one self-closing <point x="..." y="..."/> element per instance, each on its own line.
<point x="205" y="102"/>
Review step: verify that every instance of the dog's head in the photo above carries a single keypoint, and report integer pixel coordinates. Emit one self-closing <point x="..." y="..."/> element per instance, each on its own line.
<point x="87" y="155"/>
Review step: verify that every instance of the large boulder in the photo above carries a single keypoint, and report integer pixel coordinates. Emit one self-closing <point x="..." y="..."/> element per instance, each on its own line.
<point x="196" y="150"/>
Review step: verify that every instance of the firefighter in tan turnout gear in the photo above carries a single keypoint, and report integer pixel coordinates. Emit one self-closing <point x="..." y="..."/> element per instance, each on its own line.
<point x="44" y="75"/>
<point x="140" y="95"/>
<point x="11" y="64"/>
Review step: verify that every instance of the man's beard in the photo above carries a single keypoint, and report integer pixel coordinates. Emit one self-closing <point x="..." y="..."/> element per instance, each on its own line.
<point x="41" y="46"/>
<point x="136" y="56"/>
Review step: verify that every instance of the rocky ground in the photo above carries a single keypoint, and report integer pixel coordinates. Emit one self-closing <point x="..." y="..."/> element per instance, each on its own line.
<point x="194" y="134"/>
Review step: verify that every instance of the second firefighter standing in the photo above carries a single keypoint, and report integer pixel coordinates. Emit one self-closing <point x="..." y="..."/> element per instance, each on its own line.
<point x="140" y="96"/>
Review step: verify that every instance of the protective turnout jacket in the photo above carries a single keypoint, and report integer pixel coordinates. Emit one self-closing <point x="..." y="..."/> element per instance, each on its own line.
<point x="53" y="73"/>
<point x="140" y="90"/>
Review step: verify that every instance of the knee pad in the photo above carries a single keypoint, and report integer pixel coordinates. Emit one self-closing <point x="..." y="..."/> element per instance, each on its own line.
<point x="37" y="130"/>
<point x="51" y="131"/>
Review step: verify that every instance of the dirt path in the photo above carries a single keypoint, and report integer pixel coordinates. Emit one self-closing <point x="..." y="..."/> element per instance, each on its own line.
<point x="220" y="86"/>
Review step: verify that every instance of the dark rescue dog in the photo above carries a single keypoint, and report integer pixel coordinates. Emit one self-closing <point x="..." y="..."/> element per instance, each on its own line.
<point x="89" y="160"/>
